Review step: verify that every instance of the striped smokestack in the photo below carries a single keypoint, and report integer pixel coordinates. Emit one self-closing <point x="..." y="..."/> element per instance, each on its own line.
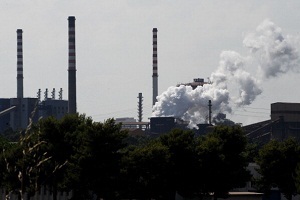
<point x="72" y="67"/>
<point x="154" y="64"/>
<point x="19" y="63"/>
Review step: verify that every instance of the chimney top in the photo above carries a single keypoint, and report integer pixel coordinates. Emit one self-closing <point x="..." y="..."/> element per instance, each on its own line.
<point x="71" y="21"/>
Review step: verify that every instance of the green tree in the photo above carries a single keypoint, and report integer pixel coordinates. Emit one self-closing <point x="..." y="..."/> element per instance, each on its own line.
<point x="184" y="163"/>
<point x="278" y="162"/>
<point x="74" y="129"/>
<point x="223" y="161"/>
<point x="4" y="146"/>
<point x="95" y="156"/>
<point x="297" y="178"/>
<point x="146" y="172"/>
<point x="10" y="135"/>
<point x="60" y="151"/>
<point x="105" y="142"/>
<point x="25" y="162"/>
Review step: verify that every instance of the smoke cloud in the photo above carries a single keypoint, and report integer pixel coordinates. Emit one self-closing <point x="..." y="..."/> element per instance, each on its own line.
<point x="275" y="53"/>
<point x="231" y="84"/>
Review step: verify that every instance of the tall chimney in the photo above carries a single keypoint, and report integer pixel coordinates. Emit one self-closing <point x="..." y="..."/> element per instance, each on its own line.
<point x="154" y="64"/>
<point x="72" y="66"/>
<point x="19" y="63"/>
<point x="140" y="107"/>
<point x="209" y="111"/>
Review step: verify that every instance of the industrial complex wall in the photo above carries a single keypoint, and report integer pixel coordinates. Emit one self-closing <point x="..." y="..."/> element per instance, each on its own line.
<point x="290" y="111"/>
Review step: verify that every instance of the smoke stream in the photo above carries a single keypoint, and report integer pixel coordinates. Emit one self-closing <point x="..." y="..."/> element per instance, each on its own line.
<point x="275" y="53"/>
<point x="233" y="86"/>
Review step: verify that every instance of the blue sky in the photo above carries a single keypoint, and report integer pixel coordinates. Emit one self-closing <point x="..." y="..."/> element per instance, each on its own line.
<point x="114" y="49"/>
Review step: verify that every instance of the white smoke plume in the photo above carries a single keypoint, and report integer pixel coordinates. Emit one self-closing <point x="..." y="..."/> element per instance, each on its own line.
<point x="233" y="86"/>
<point x="189" y="104"/>
<point x="275" y="53"/>
<point x="231" y="70"/>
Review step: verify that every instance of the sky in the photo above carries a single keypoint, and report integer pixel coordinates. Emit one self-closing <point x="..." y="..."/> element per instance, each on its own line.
<point x="114" y="50"/>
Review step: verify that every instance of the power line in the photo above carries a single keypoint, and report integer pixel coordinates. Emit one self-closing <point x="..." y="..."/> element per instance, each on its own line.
<point x="257" y="108"/>
<point x="253" y="112"/>
<point x="115" y="112"/>
<point x="248" y="115"/>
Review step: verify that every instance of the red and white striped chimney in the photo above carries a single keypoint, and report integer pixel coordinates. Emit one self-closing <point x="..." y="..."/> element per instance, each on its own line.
<point x="154" y="64"/>
<point x="19" y="63"/>
<point x="72" y="67"/>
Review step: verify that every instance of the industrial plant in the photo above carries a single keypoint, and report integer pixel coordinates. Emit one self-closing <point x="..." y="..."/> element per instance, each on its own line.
<point x="15" y="113"/>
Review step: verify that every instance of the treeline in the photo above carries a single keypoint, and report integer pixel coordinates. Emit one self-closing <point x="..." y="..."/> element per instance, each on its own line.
<point x="101" y="160"/>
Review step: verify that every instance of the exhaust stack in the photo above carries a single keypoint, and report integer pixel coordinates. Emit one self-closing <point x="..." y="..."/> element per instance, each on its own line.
<point x="19" y="63"/>
<point x="209" y="112"/>
<point x="72" y="66"/>
<point x="154" y="64"/>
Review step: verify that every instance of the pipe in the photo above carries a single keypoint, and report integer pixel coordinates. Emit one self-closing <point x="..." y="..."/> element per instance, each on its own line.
<point x="8" y="110"/>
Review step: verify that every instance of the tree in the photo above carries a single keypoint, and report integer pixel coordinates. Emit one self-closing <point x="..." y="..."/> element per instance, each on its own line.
<point x="4" y="146"/>
<point x="74" y="129"/>
<point x="105" y="142"/>
<point x="95" y="156"/>
<point x="297" y="178"/>
<point x="25" y="162"/>
<point x="184" y="163"/>
<point x="60" y="151"/>
<point x="278" y="162"/>
<point x="146" y="172"/>
<point x="11" y="135"/>
<point x="222" y="161"/>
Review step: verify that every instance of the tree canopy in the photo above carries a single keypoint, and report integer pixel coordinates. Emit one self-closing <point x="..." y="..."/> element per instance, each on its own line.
<point x="100" y="159"/>
<point x="278" y="163"/>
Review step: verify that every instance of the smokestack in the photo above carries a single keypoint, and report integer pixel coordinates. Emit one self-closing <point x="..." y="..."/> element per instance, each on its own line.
<point x="154" y="60"/>
<point x="140" y="107"/>
<point x="72" y="66"/>
<point x="209" y="111"/>
<point x="19" y="63"/>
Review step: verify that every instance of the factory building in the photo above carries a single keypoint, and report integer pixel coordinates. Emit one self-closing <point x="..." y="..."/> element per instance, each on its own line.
<point x="284" y="123"/>
<point x="15" y="112"/>
<point x="19" y="117"/>
<point x="160" y="125"/>
<point x="4" y="119"/>
<point x="286" y="118"/>
<point x="53" y="107"/>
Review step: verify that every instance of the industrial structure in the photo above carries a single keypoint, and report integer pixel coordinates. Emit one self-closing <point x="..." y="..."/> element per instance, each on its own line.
<point x="197" y="82"/>
<point x="19" y="64"/>
<point x="52" y="106"/>
<point x="155" y="65"/>
<point x="140" y="108"/>
<point x="284" y="123"/>
<point x="160" y="125"/>
<point x="16" y="112"/>
<point x="72" y="66"/>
